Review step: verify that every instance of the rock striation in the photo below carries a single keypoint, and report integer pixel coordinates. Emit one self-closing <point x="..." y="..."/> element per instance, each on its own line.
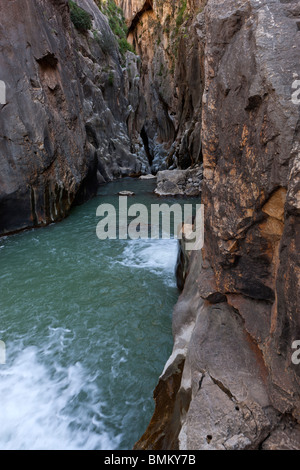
<point x="63" y="128"/>
<point x="212" y="82"/>
<point x="168" y="37"/>
<point x="230" y="382"/>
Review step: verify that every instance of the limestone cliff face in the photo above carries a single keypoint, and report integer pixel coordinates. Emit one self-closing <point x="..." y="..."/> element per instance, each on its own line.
<point x="230" y="382"/>
<point x="132" y="8"/>
<point x="168" y="37"/>
<point x="63" y="128"/>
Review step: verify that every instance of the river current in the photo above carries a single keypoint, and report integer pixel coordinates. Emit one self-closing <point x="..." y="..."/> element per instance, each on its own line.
<point x="87" y="330"/>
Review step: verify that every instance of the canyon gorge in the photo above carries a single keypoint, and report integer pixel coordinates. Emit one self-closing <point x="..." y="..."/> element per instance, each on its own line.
<point x="193" y="84"/>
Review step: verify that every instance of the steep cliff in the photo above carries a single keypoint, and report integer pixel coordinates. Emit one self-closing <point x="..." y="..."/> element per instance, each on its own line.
<point x="168" y="37"/>
<point x="63" y="128"/>
<point x="230" y="382"/>
<point x="212" y="82"/>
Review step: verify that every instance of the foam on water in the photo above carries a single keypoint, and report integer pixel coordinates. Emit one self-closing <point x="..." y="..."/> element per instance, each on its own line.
<point x="157" y="256"/>
<point x="87" y="327"/>
<point x="35" y="410"/>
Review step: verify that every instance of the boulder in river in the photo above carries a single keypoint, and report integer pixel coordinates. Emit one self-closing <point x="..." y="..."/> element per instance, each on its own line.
<point x="147" y="177"/>
<point x="179" y="182"/>
<point x="126" y="193"/>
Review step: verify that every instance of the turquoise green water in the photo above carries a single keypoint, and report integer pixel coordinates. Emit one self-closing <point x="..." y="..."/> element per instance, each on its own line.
<point x="87" y="328"/>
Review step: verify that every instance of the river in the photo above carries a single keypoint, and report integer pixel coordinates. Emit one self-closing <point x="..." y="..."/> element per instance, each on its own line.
<point x="87" y="330"/>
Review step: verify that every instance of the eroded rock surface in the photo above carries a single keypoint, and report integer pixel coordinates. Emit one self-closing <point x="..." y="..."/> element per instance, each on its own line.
<point x="213" y="83"/>
<point x="168" y="36"/>
<point x="63" y="128"/>
<point x="238" y="315"/>
<point x="179" y="182"/>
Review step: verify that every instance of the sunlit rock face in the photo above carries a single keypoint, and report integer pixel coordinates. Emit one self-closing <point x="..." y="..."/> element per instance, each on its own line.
<point x="131" y="8"/>
<point x="230" y="382"/>
<point x="168" y="36"/>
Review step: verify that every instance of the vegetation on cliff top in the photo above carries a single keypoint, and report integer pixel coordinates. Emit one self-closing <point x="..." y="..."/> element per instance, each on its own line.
<point x="181" y="14"/>
<point x="117" y="23"/>
<point x="80" y="18"/>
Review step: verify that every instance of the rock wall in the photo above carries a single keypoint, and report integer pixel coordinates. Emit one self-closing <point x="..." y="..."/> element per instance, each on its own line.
<point x="213" y="82"/>
<point x="63" y="128"/>
<point x="230" y="382"/>
<point x="167" y="35"/>
<point x="132" y="8"/>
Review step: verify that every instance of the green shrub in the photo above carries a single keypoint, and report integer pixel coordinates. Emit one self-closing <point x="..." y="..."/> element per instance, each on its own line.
<point x="181" y="14"/>
<point x="117" y="24"/>
<point x="80" y="18"/>
<point x="124" y="46"/>
<point x="111" y="78"/>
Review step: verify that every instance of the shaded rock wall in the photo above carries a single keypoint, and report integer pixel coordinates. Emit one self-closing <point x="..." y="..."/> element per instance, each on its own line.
<point x="238" y="315"/>
<point x="42" y="145"/>
<point x="63" y="128"/>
